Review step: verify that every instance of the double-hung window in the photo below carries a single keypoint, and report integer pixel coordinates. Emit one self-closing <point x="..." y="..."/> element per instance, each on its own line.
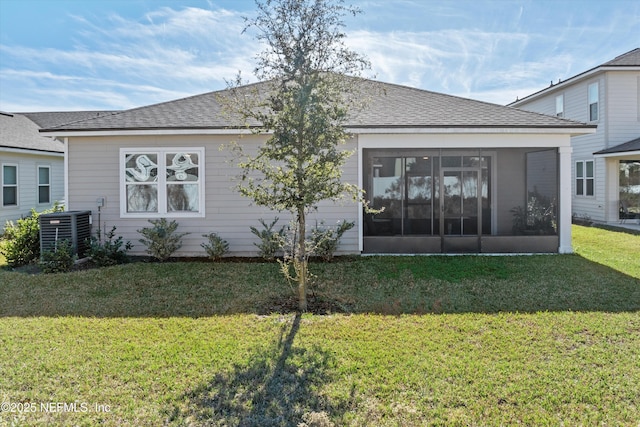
<point x="44" y="185"/>
<point x="9" y="185"/>
<point x="162" y="182"/>
<point x="593" y="102"/>
<point x="584" y="178"/>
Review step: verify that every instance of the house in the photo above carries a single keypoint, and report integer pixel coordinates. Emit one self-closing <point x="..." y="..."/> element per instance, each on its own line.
<point x="453" y="174"/>
<point x="605" y="165"/>
<point x="32" y="163"/>
<point x="32" y="168"/>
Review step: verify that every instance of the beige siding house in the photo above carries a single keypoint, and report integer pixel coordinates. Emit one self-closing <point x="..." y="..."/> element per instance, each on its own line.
<point x="452" y="174"/>
<point x="31" y="168"/>
<point x="606" y="164"/>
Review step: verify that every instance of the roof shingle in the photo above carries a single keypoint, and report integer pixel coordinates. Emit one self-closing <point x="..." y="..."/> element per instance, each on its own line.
<point x="390" y="106"/>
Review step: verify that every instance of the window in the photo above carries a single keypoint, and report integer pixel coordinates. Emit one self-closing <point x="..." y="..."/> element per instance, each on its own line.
<point x="9" y="185"/>
<point x="584" y="178"/>
<point x="44" y="185"/>
<point x="162" y="182"/>
<point x="593" y="102"/>
<point x="560" y="106"/>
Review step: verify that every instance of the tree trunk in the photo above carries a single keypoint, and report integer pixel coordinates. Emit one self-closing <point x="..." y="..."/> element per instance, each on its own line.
<point x="301" y="261"/>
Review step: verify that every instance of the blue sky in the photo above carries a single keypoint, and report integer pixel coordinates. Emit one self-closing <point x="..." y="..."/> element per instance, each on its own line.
<point x="58" y="55"/>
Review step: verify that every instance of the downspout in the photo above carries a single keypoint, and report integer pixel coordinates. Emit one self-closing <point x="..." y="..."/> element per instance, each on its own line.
<point x="65" y="141"/>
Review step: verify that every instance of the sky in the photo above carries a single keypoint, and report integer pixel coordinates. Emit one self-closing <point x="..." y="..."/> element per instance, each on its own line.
<point x="65" y="55"/>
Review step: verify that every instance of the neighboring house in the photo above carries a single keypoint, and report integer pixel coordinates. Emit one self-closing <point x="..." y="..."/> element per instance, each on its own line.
<point x="32" y="164"/>
<point x="450" y="173"/>
<point x="32" y="168"/>
<point x="605" y="165"/>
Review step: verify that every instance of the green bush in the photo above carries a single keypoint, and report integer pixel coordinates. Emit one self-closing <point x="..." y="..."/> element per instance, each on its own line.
<point x="59" y="260"/>
<point x="110" y="251"/>
<point x="271" y="241"/>
<point x="325" y="240"/>
<point x="22" y="239"/>
<point x="161" y="240"/>
<point x="215" y="246"/>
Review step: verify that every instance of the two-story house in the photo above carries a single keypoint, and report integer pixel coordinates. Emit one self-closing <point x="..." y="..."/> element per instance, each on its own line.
<point x="605" y="165"/>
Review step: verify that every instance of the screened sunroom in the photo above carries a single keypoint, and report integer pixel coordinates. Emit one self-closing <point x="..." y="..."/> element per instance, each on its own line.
<point x="490" y="200"/>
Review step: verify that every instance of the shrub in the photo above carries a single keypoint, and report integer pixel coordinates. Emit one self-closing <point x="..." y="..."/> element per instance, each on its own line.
<point x="22" y="239"/>
<point x="59" y="260"/>
<point x="325" y="240"/>
<point x="161" y="240"/>
<point x="215" y="246"/>
<point x="271" y="241"/>
<point x="109" y="252"/>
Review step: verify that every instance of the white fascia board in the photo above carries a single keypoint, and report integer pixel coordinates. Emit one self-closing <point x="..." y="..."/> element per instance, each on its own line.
<point x="33" y="152"/>
<point x="153" y="132"/>
<point x="463" y="141"/>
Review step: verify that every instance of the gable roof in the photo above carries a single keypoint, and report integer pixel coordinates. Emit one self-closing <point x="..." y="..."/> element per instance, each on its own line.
<point x="19" y="132"/>
<point x="390" y="106"/>
<point x="621" y="149"/>
<point x="629" y="60"/>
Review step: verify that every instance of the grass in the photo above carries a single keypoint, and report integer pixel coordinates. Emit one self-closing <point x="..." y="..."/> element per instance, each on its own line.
<point x="540" y="340"/>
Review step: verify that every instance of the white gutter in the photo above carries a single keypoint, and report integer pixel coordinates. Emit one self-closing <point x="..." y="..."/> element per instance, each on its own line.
<point x="32" y="151"/>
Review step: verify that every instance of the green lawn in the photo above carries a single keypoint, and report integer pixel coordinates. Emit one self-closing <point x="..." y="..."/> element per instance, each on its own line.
<point x="537" y="340"/>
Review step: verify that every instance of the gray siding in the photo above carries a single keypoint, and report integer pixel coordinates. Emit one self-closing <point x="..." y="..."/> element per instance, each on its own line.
<point x="94" y="172"/>
<point x="619" y="122"/>
<point x="28" y="184"/>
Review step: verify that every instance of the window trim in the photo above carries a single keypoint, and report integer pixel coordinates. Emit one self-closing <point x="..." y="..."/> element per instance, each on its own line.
<point x="595" y="102"/>
<point x="560" y="111"/>
<point x="40" y="185"/>
<point x="161" y="152"/>
<point x="584" y="178"/>
<point x="16" y="186"/>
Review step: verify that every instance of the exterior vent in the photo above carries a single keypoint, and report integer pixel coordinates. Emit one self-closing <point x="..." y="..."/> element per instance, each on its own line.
<point x="74" y="226"/>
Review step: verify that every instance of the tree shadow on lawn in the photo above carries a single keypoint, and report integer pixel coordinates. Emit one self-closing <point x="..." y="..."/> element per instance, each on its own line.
<point x="278" y="386"/>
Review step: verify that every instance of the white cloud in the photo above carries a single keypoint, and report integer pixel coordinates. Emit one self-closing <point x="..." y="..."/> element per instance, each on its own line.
<point x="181" y="51"/>
<point x="117" y="62"/>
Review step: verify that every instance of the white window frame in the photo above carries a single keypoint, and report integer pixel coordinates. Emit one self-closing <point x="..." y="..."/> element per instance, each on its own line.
<point x="593" y="94"/>
<point x="162" y="212"/>
<point x="560" y="105"/>
<point x="584" y="178"/>
<point x="40" y="185"/>
<point x="16" y="185"/>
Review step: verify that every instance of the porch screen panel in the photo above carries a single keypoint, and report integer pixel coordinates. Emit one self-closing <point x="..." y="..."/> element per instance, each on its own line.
<point x="452" y="202"/>
<point x="629" y="183"/>
<point x="388" y="192"/>
<point x="542" y="192"/>
<point x="419" y="196"/>
<point x="470" y="202"/>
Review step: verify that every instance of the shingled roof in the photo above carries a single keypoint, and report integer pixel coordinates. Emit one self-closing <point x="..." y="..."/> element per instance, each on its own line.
<point x="627" y="147"/>
<point x="48" y="119"/>
<point x="629" y="59"/>
<point x="17" y="131"/>
<point x="390" y="106"/>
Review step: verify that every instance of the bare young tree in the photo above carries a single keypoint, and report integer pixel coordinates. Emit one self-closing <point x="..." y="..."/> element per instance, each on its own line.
<point x="309" y="84"/>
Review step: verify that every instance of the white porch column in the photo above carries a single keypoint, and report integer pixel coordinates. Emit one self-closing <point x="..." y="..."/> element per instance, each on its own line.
<point x="564" y="205"/>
